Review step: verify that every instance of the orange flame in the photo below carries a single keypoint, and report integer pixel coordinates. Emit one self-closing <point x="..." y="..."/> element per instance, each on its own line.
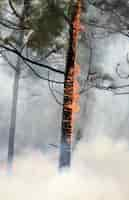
<point x="71" y="89"/>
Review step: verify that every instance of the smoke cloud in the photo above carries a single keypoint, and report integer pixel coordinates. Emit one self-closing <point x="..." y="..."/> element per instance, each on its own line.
<point x="99" y="171"/>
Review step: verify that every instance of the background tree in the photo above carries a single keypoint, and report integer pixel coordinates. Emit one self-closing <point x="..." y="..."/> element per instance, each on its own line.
<point x="24" y="14"/>
<point x="32" y="29"/>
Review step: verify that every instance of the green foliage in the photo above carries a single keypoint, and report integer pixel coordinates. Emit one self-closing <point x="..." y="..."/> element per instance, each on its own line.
<point x="47" y="24"/>
<point x="45" y="19"/>
<point x="2" y="4"/>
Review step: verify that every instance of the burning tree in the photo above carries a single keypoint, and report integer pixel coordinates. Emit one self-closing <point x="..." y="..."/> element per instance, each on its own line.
<point x="71" y="88"/>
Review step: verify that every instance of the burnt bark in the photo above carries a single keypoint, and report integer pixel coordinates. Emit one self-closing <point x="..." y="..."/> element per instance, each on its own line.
<point x="67" y="113"/>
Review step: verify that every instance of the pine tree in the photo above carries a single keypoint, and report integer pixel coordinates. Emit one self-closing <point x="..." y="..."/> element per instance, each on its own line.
<point x="45" y="21"/>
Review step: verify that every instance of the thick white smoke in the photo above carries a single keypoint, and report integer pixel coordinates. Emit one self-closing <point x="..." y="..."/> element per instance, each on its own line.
<point x="100" y="168"/>
<point x="99" y="171"/>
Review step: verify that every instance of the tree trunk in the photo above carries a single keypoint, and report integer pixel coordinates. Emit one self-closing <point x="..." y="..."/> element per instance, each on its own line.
<point x="69" y="81"/>
<point x="12" y="128"/>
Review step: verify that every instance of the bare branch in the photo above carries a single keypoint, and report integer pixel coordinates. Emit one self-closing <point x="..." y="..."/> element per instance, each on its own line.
<point x="52" y="92"/>
<point x="13" y="9"/>
<point x="119" y="73"/>
<point x="41" y="77"/>
<point x="108" y="28"/>
<point x="15" y="51"/>
<point x="8" y="62"/>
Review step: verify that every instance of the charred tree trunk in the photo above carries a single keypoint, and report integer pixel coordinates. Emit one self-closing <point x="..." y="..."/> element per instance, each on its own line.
<point x="69" y="81"/>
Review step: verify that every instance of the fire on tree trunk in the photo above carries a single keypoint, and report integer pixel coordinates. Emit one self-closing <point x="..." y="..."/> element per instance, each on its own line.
<point x="71" y="88"/>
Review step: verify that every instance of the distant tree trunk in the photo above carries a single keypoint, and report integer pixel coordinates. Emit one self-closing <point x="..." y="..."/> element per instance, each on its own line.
<point x="67" y="115"/>
<point x="12" y="128"/>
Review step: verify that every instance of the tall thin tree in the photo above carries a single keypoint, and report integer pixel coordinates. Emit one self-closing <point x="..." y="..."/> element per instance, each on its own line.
<point x="25" y="13"/>
<point x="70" y="89"/>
